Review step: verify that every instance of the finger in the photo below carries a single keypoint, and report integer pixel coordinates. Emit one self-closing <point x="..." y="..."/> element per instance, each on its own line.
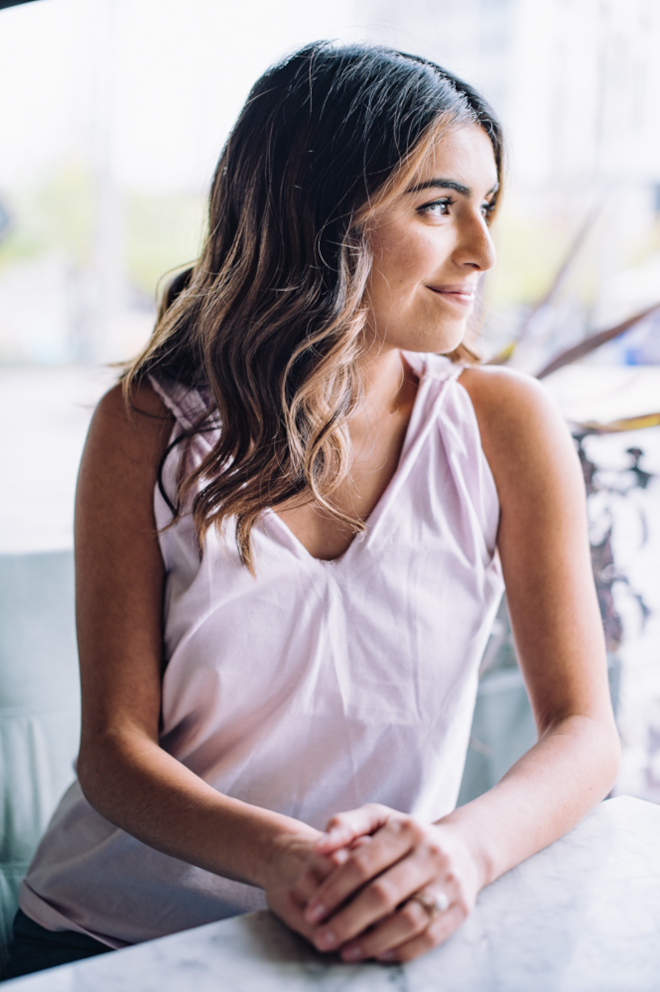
<point x="322" y="866"/>
<point x="399" y="928"/>
<point x="386" y="847"/>
<point x="343" y="828"/>
<point x="291" y="913"/>
<point x="378" y="901"/>
<point x="442" y="927"/>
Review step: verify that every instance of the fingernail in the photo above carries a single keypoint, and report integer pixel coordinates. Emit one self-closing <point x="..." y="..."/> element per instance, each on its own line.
<point x="325" y="939"/>
<point x="315" y="911"/>
<point x="353" y="953"/>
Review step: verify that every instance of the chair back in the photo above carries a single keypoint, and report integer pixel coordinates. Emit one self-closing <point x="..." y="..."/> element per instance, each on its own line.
<point x="39" y="709"/>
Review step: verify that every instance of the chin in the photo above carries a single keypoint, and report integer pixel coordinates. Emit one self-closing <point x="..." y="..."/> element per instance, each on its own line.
<point x="439" y="340"/>
<point x="445" y="340"/>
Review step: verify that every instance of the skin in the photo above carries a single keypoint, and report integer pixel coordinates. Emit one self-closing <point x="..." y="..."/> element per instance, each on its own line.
<point x="349" y="889"/>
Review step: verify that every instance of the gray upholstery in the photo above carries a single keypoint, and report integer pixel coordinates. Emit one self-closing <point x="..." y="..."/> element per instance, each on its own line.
<point x="503" y="729"/>
<point x="503" y="726"/>
<point x="39" y="708"/>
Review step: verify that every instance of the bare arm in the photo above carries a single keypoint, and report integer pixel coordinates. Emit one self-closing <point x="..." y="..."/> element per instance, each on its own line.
<point x="123" y="772"/>
<point x="543" y="545"/>
<point x="557" y="628"/>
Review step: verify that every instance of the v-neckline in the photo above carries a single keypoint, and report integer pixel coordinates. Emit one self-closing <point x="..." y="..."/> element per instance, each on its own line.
<point x="419" y="366"/>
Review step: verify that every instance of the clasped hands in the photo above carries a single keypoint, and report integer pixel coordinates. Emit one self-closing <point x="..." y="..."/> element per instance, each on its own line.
<point x="377" y="884"/>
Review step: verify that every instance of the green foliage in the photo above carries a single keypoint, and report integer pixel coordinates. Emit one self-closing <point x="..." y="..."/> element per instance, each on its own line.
<point x="56" y="216"/>
<point x="159" y="233"/>
<point x="162" y="233"/>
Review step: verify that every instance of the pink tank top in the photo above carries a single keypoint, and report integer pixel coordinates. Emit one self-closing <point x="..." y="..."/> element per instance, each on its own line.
<point x="317" y="687"/>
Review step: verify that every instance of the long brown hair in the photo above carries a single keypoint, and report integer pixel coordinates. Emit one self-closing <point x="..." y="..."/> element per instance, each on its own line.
<point x="270" y="317"/>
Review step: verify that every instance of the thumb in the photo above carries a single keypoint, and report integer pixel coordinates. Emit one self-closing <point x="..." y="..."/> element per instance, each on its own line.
<point x="345" y="828"/>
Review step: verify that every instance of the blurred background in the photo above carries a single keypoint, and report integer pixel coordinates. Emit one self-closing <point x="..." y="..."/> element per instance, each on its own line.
<point x="112" y="115"/>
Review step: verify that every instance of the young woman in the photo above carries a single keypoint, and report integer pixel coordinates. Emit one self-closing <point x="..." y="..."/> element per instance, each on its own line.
<point x="292" y="525"/>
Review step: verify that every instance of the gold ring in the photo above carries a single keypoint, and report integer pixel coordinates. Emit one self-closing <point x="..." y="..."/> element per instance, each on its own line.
<point x="432" y="902"/>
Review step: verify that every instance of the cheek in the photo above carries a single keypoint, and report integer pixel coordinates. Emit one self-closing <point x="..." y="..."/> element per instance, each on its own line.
<point x="403" y="262"/>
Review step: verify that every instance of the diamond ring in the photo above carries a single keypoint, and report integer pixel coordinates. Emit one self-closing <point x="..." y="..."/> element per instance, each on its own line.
<point x="432" y="902"/>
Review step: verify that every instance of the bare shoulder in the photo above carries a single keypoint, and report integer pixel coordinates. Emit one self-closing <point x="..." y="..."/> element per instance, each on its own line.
<point x="505" y="400"/>
<point x="137" y="430"/>
<point x="143" y="414"/>
<point x="523" y="433"/>
<point x="124" y="447"/>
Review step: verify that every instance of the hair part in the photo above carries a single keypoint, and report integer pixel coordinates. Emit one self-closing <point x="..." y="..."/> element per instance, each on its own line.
<point x="270" y="318"/>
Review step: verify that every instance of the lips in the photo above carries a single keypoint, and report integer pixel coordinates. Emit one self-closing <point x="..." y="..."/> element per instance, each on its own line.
<point x="459" y="293"/>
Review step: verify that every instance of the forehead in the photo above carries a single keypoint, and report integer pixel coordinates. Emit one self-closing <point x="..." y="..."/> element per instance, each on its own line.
<point x="463" y="153"/>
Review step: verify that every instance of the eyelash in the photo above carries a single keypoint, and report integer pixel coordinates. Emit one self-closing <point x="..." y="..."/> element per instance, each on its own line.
<point x="448" y="201"/>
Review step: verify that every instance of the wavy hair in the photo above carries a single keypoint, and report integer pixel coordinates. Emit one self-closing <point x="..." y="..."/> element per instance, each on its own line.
<point x="269" y="320"/>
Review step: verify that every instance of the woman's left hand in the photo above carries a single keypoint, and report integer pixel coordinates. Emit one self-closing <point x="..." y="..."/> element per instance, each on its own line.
<point x="403" y="887"/>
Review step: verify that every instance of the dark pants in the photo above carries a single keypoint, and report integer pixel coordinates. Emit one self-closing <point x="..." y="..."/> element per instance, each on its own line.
<point x="35" y="948"/>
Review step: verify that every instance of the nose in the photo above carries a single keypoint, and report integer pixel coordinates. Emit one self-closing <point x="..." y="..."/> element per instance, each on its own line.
<point x="475" y="247"/>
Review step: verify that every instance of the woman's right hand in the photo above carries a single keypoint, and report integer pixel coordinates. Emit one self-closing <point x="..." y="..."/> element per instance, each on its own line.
<point x="296" y="871"/>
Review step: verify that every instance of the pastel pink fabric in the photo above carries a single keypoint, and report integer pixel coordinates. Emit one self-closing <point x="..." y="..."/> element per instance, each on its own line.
<point x="313" y="688"/>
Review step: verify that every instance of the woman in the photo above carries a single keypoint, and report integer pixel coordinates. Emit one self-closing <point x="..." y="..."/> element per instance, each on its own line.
<point x="291" y="626"/>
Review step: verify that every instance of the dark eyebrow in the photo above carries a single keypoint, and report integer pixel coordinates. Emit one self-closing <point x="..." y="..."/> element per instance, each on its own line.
<point x="448" y="184"/>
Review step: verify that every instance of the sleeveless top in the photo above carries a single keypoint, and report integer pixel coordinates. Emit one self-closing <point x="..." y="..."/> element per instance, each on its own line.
<point x="316" y="687"/>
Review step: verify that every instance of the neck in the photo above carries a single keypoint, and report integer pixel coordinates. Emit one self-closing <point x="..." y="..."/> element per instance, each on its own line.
<point x="389" y="387"/>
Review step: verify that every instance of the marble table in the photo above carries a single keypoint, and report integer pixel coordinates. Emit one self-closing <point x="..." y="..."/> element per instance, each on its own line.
<point x="584" y="914"/>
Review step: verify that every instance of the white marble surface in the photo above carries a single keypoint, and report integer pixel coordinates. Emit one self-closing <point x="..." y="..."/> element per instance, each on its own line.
<point x="582" y="915"/>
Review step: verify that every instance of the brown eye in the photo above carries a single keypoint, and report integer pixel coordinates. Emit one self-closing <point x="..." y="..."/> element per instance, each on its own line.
<point x="438" y="208"/>
<point x="488" y="209"/>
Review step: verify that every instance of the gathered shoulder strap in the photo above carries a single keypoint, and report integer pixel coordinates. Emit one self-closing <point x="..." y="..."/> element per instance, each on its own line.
<point x="431" y="366"/>
<point x="191" y="407"/>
